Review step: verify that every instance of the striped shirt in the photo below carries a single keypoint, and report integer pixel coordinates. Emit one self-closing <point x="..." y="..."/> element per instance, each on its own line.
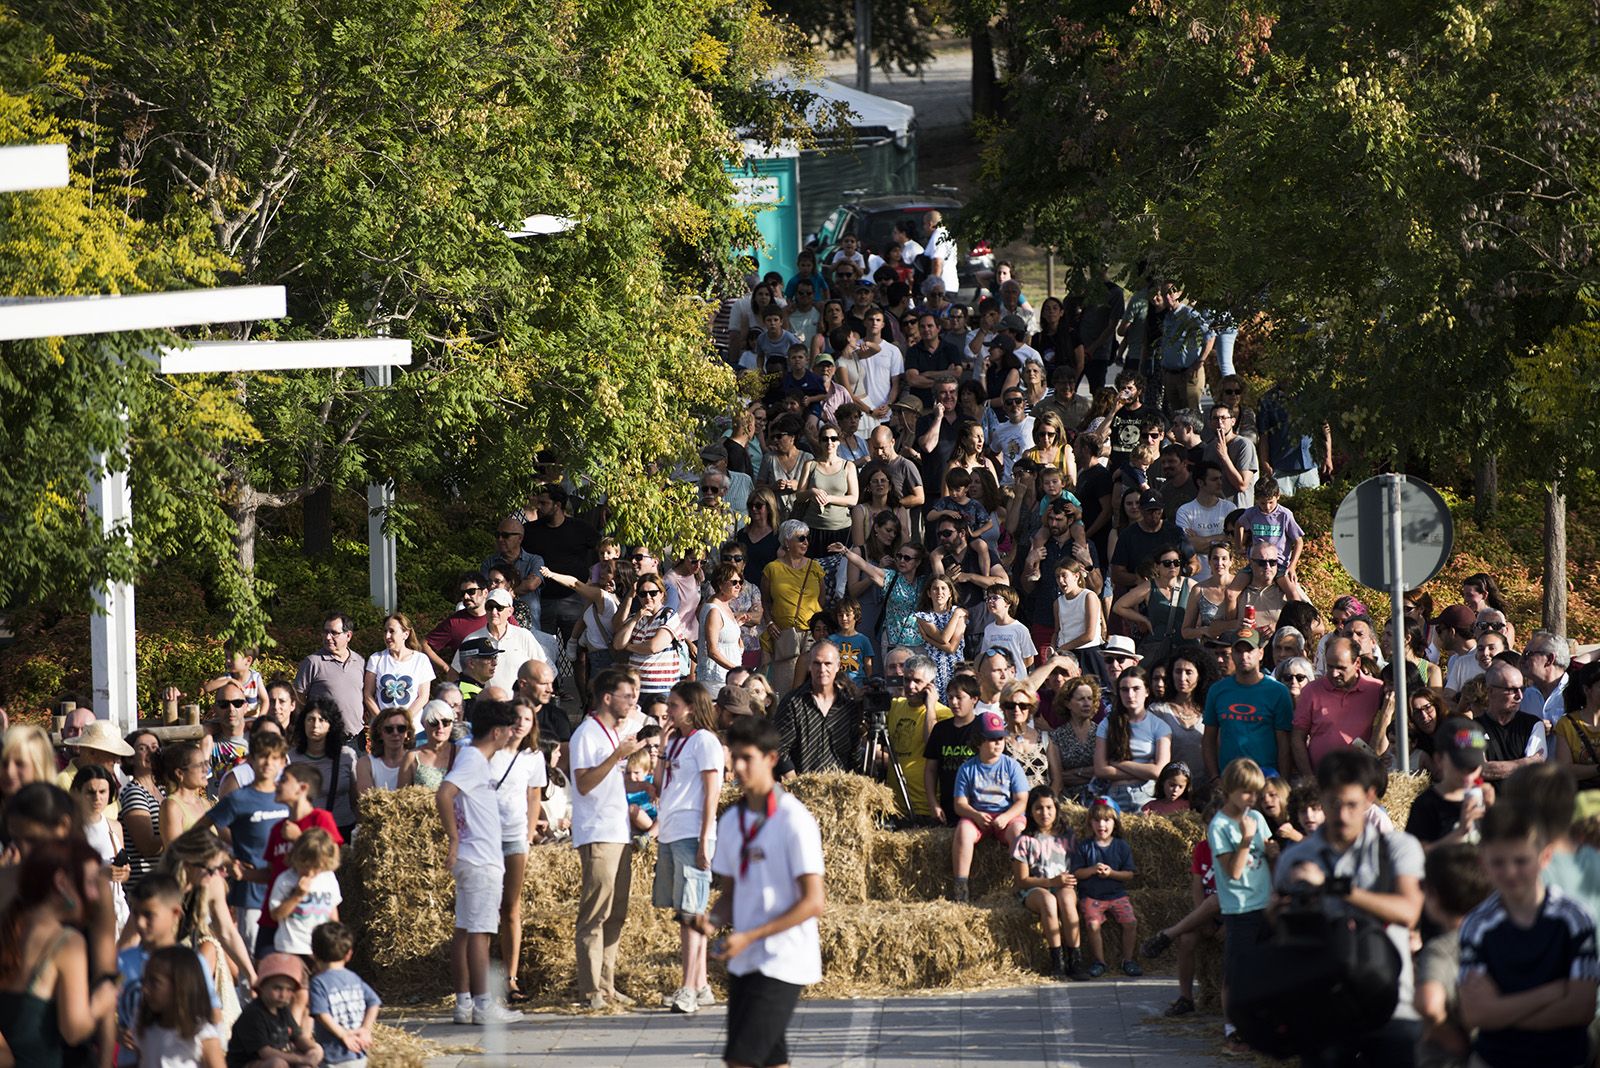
<point x="813" y="741"/>
<point x="658" y="672"/>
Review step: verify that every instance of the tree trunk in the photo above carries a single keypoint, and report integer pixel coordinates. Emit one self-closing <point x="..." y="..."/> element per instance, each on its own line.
<point x="1486" y="489"/>
<point x="1555" y="558"/>
<point x="316" y="538"/>
<point x="985" y="81"/>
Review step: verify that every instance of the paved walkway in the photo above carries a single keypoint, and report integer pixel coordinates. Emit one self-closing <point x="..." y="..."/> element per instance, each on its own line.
<point x="1084" y="1025"/>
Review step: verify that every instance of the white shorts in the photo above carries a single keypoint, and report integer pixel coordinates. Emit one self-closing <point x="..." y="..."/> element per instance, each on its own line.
<point x="478" y="889"/>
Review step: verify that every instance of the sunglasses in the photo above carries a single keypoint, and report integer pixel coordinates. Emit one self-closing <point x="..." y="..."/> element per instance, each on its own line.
<point x="1295" y="677"/>
<point x="235" y="702"/>
<point x="652" y="592"/>
<point x="830" y="437"/>
<point x="1168" y="563"/>
<point x="497" y="608"/>
<point x="801" y="537"/>
<point x="732" y="559"/>
<point x="470" y="590"/>
<point x="636" y="557"/>
<point x="1012" y="706"/>
<point x="1264" y="562"/>
<point x="396" y="728"/>
<point x="909" y="558"/>
<point x="442" y="722"/>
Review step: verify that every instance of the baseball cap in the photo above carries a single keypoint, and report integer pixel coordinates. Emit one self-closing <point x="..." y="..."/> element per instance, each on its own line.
<point x="1464" y="742"/>
<point x="285" y="964"/>
<point x="499" y="597"/>
<point x="1014" y="322"/>
<point x="1457" y="616"/>
<point x="991" y="727"/>
<point x="1150" y="500"/>
<point x="479" y="649"/>
<point x="820" y="360"/>
<point x="736" y="700"/>
<point x="1244" y="636"/>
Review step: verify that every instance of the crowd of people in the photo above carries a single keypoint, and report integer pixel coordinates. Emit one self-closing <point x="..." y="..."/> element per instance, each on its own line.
<point x="944" y="566"/>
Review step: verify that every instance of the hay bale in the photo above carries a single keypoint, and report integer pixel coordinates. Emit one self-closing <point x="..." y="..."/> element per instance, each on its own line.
<point x="1400" y="793"/>
<point x="889" y="947"/>
<point x="848" y="809"/>
<point x="394" y="1048"/>
<point x="398" y="894"/>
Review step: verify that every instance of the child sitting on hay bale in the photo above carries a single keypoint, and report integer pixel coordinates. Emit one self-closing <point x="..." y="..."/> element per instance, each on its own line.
<point x="990" y="798"/>
<point x="1045" y="886"/>
<point x="1103" y="864"/>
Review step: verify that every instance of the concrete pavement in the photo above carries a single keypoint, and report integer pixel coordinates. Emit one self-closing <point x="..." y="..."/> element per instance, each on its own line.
<point x="1084" y="1025"/>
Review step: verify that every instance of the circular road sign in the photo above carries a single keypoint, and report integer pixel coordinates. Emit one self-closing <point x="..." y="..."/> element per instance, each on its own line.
<point x="1361" y="533"/>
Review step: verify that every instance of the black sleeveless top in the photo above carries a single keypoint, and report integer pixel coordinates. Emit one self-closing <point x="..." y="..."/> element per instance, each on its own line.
<point x="1508" y="742"/>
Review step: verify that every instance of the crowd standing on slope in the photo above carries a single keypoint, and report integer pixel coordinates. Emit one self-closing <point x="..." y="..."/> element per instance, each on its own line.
<point x="944" y="566"/>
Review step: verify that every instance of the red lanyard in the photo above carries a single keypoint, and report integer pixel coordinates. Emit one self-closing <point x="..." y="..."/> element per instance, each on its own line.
<point x="748" y="837"/>
<point x="610" y="734"/>
<point x="672" y="756"/>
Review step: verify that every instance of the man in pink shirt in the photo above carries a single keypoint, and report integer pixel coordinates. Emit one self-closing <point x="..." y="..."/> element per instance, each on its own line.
<point x="1335" y="711"/>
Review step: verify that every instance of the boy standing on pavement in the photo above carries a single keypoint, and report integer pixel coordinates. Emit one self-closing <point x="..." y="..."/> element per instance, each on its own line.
<point x="769" y="855"/>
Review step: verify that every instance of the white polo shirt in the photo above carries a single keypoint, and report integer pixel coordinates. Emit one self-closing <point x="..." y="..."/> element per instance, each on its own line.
<point x="786" y="847"/>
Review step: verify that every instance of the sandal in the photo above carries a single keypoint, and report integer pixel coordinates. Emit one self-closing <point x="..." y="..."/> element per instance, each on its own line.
<point x="515" y="994"/>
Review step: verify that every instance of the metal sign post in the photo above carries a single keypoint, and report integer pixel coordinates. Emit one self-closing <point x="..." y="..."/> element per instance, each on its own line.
<point x="1393" y="532"/>
<point x="1397" y="618"/>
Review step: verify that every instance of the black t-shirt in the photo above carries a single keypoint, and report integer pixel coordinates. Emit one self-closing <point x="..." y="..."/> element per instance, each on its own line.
<point x="1094" y="483"/>
<point x="1136" y="545"/>
<point x="569" y="549"/>
<point x="917" y="358"/>
<point x="1126" y="432"/>
<point x="951" y="746"/>
<point x="256" y="1029"/>
<point x="1432" y="817"/>
<point x="738" y="457"/>
<point x="934" y="463"/>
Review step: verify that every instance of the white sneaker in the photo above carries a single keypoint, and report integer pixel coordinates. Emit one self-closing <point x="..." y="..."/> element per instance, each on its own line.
<point x="463" y="1013"/>
<point x="495" y="1014"/>
<point x="704" y="997"/>
<point x="685" y="1002"/>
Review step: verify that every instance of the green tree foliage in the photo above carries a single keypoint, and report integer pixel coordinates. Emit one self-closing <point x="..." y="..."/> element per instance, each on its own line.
<point x="1397" y="197"/>
<point x="902" y="30"/>
<point x="368" y="157"/>
<point x="62" y="400"/>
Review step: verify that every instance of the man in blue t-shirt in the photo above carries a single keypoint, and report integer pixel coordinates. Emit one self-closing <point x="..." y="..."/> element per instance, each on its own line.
<point x="1248" y="714"/>
<point x="246" y="817"/>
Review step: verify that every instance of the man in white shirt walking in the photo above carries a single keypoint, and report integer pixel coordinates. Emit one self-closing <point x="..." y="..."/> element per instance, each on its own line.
<point x="769" y="857"/>
<point x="598" y="752"/>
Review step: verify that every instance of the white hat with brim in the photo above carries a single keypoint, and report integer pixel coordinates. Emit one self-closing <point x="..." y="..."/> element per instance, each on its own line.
<point x="102" y="737"/>
<point x="1119" y="645"/>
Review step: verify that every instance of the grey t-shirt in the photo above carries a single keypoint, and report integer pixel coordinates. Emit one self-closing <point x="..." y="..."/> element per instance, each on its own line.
<point x="1360" y="862"/>
<point x="1440" y="962"/>
<point x="1243" y="454"/>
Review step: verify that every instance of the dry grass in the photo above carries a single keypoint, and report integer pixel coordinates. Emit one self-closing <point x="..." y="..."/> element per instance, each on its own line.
<point x="394" y="1048"/>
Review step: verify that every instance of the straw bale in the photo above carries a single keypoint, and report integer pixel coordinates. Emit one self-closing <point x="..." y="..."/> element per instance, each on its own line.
<point x="397" y="892"/>
<point x="394" y="1048"/>
<point x="1402" y="791"/>
<point x="886" y="947"/>
<point x="848" y="809"/>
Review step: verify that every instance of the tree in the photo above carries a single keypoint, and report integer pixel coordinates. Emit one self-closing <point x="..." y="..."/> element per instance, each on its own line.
<point x="64" y="399"/>
<point x="902" y="30"/>
<point x="1396" y="199"/>
<point x="368" y="157"/>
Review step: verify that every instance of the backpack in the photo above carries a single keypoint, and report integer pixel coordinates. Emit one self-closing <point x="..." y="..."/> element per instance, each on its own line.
<point x="1328" y="973"/>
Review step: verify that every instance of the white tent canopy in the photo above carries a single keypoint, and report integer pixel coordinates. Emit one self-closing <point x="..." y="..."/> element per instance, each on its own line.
<point x="869" y="110"/>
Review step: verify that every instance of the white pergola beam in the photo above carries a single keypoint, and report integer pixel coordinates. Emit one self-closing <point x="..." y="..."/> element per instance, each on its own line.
<point x="542" y="226"/>
<point x="37" y="317"/>
<point x="211" y="357"/>
<point x="25" y="167"/>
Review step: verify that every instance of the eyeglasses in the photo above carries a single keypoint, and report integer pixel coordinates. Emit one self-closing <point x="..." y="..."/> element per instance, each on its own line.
<point x="1169" y="563"/>
<point x="508" y="534"/>
<point x="397" y="728"/>
<point x="1509" y="689"/>
<point x="231" y="702"/>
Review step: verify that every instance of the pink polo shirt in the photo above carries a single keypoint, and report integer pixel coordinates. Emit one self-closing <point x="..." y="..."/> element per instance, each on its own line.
<point x="1333" y="718"/>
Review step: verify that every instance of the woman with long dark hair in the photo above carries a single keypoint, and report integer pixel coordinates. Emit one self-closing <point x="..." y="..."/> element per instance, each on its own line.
<point x="1190" y="673"/>
<point x="1131" y="745"/>
<point x="319" y="739"/>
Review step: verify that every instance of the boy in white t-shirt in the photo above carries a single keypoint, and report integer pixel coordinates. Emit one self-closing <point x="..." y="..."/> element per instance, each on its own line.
<point x="1005" y="632"/>
<point x="470" y="813"/>
<point x="600" y="747"/>
<point x="689" y="773"/>
<point x="769" y="855"/>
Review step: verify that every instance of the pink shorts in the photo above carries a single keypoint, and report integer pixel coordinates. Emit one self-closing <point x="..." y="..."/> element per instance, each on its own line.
<point x="996" y="830"/>
<point x="1095" y="910"/>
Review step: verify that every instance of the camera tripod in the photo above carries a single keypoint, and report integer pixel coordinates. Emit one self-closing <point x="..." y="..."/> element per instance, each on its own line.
<point x="878" y="745"/>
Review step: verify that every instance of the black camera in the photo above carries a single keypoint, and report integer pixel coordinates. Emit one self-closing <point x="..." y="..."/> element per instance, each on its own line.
<point x="876" y="695"/>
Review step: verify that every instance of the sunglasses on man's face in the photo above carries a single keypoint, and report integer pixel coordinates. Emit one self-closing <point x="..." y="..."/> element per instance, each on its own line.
<point x="233" y="702"/>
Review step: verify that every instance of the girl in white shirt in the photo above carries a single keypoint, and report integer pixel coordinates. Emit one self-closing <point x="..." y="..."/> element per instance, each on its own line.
<point x="520" y="778"/>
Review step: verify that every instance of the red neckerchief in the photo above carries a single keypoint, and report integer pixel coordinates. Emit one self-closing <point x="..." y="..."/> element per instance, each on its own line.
<point x="672" y="756"/>
<point x="748" y="837"/>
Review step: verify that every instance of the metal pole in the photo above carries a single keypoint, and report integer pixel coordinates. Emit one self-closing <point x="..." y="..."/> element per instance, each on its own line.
<point x="382" y="555"/>
<point x="1050" y="272"/>
<point x="864" y="45"/>
<point x="111" y="633"/>
<point x="1392" y="485"/>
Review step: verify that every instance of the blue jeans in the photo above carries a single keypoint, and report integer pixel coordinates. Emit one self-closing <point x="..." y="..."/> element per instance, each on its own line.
<point x="1224" y="348"/>
<point x="1289" y="485"/>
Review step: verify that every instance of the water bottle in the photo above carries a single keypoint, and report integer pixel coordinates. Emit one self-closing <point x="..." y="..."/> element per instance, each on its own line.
<point x="1473" y="798"/>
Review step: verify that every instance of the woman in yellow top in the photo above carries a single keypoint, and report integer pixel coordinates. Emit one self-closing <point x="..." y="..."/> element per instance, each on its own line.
<point x="1050" y="448"/>
<point x="1577" y="733"/>
<point x="791" y="590"/>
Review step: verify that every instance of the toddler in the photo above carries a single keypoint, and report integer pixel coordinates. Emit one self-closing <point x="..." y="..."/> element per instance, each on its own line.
<point x="343" y="1007"/>
<point x="307" y="894"/>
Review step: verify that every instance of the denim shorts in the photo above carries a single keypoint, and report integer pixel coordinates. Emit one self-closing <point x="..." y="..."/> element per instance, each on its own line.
<point x="679" y="884"/>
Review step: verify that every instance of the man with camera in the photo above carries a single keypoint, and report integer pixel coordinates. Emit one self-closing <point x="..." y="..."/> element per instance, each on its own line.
<point x="911" y="719"/>
<point x="1346" y="869"/>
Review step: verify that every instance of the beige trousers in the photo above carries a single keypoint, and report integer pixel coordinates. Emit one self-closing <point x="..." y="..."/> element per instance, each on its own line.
<point x="602" y="910"/>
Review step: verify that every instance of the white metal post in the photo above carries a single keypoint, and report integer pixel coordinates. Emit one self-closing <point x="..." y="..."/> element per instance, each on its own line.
<point x="1398" y="662"/>
<point x="382" y="553"/>
<point x="111" y="634"/>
